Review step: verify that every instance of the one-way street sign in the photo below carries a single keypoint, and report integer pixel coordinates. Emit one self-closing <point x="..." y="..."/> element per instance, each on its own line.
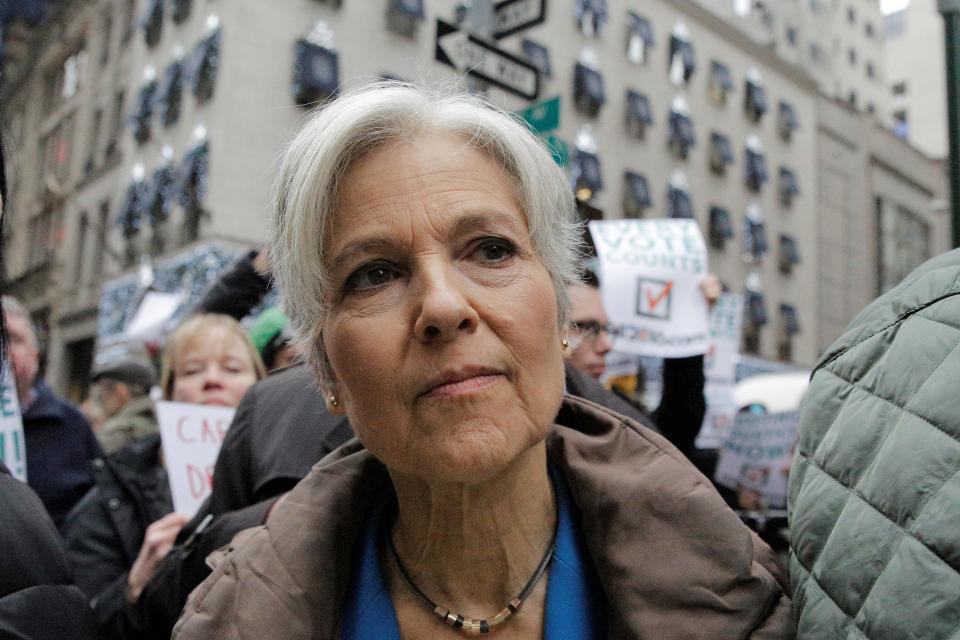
<point x="510" y="16"/>
<point x="471" y="55"/>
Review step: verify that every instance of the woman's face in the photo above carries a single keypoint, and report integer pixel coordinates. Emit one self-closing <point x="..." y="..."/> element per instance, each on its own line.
<point x="214" y="368"/>
<point x="442" y="332"/>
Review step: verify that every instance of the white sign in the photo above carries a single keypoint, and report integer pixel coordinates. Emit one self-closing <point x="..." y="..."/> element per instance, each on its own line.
<point x="758" y="453"/>
<point x="472" y="56"/>
<point x="720" y="370"/>
<point x="13" y="449"/>
<point x="191" y="435"/>
<point x="511" y="16"/>
<point x="650" y="273"/>
<point x="152" y="315"/>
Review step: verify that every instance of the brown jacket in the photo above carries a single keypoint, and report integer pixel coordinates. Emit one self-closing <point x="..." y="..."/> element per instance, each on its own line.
<point x="674" y="561"/>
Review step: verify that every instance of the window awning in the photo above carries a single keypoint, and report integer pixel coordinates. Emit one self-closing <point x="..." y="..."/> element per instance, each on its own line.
<point x="789" y="253"/>
<point x="755" y="100"/>
<point x="756" y="309"/>
<point x="788" y="122"/>
<point x="152" y="22"/>
<point x="754" y="169"/>
<point x="170" y="95"/>
<point x="204" y="63"/>
<point x="721" y="228"/>
<point x="721" y="83"/>
<point x="636" y="192"/>
<point x="588" y="93"/>
<point x="791" y="321"/>
<point x="586" y="174"/>
<point x="160" y="194"/>
<point x="721" y="153"/>
<point x="679" y="204"/>
<point x="639" y="113"/>
<point x="682" y="60"/>
<point x="639" y="38"/>
<point x="131" y="209"/>
<point x="682" y="134"/>
<point x="538" y="55"/>
<point x="194" y="173"/>
<point x="143" y="112"/>
<point x="755" y="238"/>
<point x="316" y="72"/>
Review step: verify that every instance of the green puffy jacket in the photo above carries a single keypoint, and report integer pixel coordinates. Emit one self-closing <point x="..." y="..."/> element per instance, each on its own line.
<point x="874" y="497"/>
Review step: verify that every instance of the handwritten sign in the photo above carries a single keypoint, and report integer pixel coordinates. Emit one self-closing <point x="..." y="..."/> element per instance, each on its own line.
<point x="13" y="450"/>
<point x="650" y="278"/>
<point x="191" y="435"/>
<point x="758" y="453"/>
<point x="720" y="370"/>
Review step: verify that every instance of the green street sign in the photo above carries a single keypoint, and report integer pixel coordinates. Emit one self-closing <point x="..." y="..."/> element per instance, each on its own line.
<point x="543" y="117"/>
<point x="559" y="150"/>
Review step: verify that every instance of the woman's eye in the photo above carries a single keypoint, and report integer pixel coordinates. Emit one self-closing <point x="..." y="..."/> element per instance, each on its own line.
<point x="495" y="250"/>
<point x="370" y="277"/>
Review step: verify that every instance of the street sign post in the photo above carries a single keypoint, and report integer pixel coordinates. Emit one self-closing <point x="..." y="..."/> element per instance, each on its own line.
<point x="511" y="16"/>
<point x="474" y="56"/>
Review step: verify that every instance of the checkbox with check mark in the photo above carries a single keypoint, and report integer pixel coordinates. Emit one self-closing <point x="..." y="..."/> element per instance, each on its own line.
<point x="653" y="298"/>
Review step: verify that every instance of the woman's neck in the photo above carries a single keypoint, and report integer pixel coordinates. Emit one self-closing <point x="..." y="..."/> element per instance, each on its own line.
<point x="472" y="548"/>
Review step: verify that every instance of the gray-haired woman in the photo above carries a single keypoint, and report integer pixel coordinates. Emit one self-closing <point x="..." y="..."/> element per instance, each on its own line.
<point x="424" y="244"/>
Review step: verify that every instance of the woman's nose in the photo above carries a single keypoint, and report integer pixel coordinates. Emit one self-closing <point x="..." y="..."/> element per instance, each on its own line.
<point x="212" y="378"/>
<point x="445" y="311"/>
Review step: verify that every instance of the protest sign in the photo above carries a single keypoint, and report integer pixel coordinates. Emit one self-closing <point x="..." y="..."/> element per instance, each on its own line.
<point x="191" y="435"/>
<point x="758" y="453"/>
<point x="720" y="370"/>
<point x="650" y="283"/>
<point x="13" y="450"/>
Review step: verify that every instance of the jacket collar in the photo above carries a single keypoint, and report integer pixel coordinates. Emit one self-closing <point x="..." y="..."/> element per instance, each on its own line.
<point x="45" y="405"/>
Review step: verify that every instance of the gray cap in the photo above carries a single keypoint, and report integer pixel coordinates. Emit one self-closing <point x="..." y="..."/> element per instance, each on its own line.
<point x="130" y="371"/>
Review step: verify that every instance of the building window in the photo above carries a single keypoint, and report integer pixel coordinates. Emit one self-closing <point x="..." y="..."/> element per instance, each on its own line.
<point x="57" y="149"/>
<point x="789" y="253"/>
<point x="152" y="22"/>
<point x="754" y="236"/>
<point x="204" y="63"/>
<point x="95" y="128"/>
<point x="851" y="15"/>
<point x="170" y="94"/>
<point x="852" y="56"/>
<point x="100" y="243"/>
<point x="116" y="124"/>
<point x="721" y="154"/>
<point x="591" y="16"/>
<point x="639" y="38"/>
<point x="754" y="165"/>
<point x="900" y="89"/>
<point x="868" y="29"/>
<point x="787" y="121"/>
<point x="403" y="16"/>
<point x="755" y="307"/>
<point x="721" y="83"/>
<point x="80" y="249"/>
<point x="129" y="217"/>
<point x="639" y="114"/>
<point x="129" y="18"/>
<point x="192" y="188"/>
<point x="682" y="136"/>
<point x="106" y="33"/>
<point x="588" y="93"/>
<point x="585" y="174"/>
<point x="682" y="60"/>
<point x="721" y="228"/>
<point x="537" y="55"/>
<point x="636" y="194"/>
<point x="852" y="98"/>
<point x="871" y="71"/>
<point x="755" y="96"/>
<point x="903" y="243"/>
<point x="40" y="240"/>
<point x="816" y="53"/>
<point x="65" y="79"/>
<point x="180" y="10"/>
<point x="679" y="204"/>
<point x="791" y="35"/>
<point x="901" y="124"/>
<point x="789" y="187"/>
<point x="791" y="320"/>
<point x="143" y="112"/>
<point x="316" y="72"/>
<point x="160" y="195"/>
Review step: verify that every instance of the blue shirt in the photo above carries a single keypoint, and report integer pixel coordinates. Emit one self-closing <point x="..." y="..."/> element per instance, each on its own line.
<point x="575" y="605"/>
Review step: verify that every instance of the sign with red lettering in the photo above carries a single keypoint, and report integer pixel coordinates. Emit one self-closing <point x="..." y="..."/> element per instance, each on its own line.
<point x="191" y="436"/>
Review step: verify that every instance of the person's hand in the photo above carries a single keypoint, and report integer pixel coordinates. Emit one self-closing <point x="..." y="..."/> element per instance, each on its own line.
<point x="261" y="262"/>
<point x="157" y="542"/>
<point x="711" y="288"/>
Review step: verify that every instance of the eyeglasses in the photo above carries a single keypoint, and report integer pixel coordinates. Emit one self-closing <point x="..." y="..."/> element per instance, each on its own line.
<point x="589" y="330"/>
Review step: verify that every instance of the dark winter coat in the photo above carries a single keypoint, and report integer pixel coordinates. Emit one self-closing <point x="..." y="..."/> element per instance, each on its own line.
<point x="105" y="531"/>
<point x="60" y="446"/>
<point x="37" y="598"/>
<point x="674" y="561"/>
<point x="237" y="291"/>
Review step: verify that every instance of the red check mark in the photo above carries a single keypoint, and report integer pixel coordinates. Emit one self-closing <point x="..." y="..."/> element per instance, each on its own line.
<point x="653" y="301"/>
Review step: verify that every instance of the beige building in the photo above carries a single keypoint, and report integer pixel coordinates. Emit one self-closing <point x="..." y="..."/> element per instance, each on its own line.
<point x="916" y="76"/>
<point x="165" y="147"/>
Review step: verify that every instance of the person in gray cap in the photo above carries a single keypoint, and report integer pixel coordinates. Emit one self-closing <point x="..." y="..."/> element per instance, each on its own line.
<point x="122" y="389"/>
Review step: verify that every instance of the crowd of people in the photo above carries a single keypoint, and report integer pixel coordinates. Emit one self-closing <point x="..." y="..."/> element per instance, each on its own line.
<point x="422" y="446"/>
